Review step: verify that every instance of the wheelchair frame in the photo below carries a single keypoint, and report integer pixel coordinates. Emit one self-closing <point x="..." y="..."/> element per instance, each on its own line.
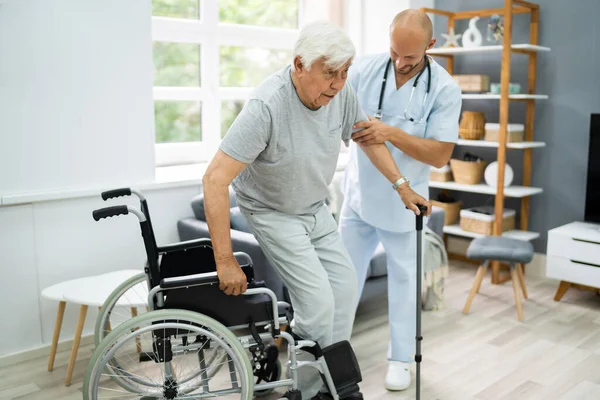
<point x="157" y="285"/>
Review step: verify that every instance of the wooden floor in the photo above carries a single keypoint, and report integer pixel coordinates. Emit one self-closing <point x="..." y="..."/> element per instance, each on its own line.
<point x="489" y="354"/>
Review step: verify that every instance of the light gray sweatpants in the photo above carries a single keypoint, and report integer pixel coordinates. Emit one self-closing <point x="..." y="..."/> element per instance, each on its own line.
<point x="308" y="254"/>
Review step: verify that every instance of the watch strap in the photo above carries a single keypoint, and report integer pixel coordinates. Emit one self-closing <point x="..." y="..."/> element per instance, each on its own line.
<point x="400" y="182"/>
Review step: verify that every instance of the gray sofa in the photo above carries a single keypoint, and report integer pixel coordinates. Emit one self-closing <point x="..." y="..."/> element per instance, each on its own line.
<point x="242" y="240"/>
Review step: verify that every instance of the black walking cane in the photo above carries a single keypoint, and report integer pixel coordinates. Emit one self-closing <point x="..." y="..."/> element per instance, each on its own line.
<point x="418" y="337"/>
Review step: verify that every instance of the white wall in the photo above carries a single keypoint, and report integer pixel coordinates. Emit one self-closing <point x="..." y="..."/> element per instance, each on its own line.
<point x="76" y="113"/>
<point x="47" y="242"/>
<point x="76" y="104"/>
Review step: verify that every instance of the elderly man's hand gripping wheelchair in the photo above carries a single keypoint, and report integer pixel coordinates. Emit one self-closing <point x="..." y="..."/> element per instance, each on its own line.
<point x="196" y="342"/>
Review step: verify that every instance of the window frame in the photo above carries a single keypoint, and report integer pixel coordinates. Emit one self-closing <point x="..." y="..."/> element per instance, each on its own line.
<point x="210" y="34"/>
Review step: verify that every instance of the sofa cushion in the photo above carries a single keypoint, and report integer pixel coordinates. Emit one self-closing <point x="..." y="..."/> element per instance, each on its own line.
<point x="238" y="221"/>
<point x="198" y="204"/>
<point x="378" y="265"/>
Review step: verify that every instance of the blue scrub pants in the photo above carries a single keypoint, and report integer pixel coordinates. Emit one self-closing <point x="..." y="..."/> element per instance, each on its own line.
<point x="361" y="239"/>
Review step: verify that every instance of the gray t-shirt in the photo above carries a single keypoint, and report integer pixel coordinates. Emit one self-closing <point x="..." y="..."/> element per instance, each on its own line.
<point x="291" y="150"/>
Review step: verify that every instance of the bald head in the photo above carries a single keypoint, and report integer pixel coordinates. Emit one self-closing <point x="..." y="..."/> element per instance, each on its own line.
<point x="411" y="35"/>
<point x="415" y="22"/>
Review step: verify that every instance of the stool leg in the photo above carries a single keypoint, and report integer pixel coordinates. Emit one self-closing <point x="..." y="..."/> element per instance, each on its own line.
<point x="476" y="285"/>
<point x="485" y="264"/>
<point x="522" y="279"/>
<point x="57" y="325"/>
<point x="82" y="313"/>
<point x="513" y="275"/>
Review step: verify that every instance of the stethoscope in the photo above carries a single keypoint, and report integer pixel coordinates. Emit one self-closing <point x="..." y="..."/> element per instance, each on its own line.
<point x="412" y="91"/>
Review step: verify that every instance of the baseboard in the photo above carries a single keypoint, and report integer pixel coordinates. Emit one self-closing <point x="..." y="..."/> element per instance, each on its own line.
<point x="42" y="351"/>
<point x="537" y="266"/>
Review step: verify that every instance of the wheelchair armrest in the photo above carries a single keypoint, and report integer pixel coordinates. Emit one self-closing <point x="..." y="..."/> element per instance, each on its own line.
<point x="208" y="278"/>
<point x="188" y="244"/>
<point x="243" y="258"/>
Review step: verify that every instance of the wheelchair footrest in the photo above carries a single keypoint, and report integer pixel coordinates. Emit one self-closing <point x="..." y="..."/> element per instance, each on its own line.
<point x="343" y="367"/>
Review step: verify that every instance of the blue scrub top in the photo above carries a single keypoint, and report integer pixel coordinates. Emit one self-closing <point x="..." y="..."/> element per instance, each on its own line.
<point x="365" y="189"/>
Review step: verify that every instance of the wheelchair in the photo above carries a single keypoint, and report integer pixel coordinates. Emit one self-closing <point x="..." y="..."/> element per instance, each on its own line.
<point x="193" y="341"/>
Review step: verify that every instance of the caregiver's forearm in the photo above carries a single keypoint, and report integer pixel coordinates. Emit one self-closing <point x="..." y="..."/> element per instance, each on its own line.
<point x="428" y="151"/>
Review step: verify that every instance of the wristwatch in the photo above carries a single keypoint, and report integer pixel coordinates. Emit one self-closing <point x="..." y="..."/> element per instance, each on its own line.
<point x="400" y="182"/>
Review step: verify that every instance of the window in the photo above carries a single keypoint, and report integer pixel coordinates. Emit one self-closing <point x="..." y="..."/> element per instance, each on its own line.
<point x="208" y="56"/>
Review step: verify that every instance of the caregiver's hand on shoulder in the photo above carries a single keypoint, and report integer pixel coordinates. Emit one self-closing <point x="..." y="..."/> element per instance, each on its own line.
<point x="232" y="279"/>
<point x="410" y="199"/>
<point x="373" y="132"/>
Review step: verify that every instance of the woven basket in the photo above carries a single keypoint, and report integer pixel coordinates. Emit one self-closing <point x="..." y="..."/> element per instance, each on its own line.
<point x="485" y="224"/>
<point x="472" y="125"/>
<point x="452" y="210"/>
<point x="437" y="176"/>
<point x="467" y="172"/>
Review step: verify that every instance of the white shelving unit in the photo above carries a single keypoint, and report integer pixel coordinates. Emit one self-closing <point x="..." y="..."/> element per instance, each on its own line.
<point x="492" y="96"/>
<point x="515" y="234"/>
<point x="525" y="47"/>
<point x="482" y="188"/>
<point x="528" y="97"/>
<point x="510" y="145"/>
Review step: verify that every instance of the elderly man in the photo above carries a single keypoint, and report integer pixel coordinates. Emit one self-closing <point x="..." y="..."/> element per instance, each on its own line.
<point x="281" y="154"/>
<point x="416" y="105"/>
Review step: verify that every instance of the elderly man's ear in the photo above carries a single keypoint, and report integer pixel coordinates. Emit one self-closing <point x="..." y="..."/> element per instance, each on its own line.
<point x="298" y="66"/>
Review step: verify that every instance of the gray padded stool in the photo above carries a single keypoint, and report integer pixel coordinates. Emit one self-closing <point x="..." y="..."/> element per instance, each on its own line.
<point x="498" y="248"/>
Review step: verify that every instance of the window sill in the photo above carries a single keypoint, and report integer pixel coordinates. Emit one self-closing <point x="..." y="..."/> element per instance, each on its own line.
<point x="166" y="178"/>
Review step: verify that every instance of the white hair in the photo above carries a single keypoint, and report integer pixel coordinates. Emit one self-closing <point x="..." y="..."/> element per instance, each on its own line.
<point x="322" y="39"/>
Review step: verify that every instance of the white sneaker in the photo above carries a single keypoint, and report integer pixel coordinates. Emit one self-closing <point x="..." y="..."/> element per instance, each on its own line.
<point x="398" y="376"/>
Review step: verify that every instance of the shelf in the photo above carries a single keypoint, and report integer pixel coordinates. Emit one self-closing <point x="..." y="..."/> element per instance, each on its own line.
<point x="511" y="191"/>
<point x="492" y="96"/>
<point x="481" y="49"/>
<point x="515" y="234"/>
<point x="509" y="145"/>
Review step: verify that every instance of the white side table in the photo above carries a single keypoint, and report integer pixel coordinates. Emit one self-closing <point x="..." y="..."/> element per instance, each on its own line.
<point x="573" y="256"/>
<point x="87" y="291"/>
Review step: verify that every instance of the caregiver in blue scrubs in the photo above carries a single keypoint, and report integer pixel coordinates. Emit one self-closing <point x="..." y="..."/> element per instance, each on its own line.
<point x="414" y="106"/>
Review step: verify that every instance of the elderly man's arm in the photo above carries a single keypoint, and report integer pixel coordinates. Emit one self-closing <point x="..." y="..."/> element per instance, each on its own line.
<point x="382" y="159"/>
<point x="217" y="178"/>
<point x="247" y="137"/>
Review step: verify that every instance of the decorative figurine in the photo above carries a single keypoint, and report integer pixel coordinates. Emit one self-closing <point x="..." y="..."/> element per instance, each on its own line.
<point x="451" y="38"/>
<point x="472" y="37"/>
<point x="495" y="31"/>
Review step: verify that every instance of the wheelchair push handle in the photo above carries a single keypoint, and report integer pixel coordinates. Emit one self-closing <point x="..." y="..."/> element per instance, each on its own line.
<point x="111" y="194"/>
<point x="114" y="211"/>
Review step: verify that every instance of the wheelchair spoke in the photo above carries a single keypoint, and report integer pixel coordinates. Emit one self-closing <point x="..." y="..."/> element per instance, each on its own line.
<point x="170" y="365"/>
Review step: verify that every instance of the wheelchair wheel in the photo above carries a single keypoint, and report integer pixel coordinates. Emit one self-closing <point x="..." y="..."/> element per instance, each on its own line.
<point x="128" y="300"/>
<point x="176" y="347"/>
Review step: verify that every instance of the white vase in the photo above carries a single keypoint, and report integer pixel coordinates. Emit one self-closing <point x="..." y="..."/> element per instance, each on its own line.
<point x="472" y="37"/>
<point x="491" y="174"/>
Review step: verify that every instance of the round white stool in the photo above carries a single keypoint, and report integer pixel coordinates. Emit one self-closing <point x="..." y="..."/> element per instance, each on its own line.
<point x="87" y="291"/>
